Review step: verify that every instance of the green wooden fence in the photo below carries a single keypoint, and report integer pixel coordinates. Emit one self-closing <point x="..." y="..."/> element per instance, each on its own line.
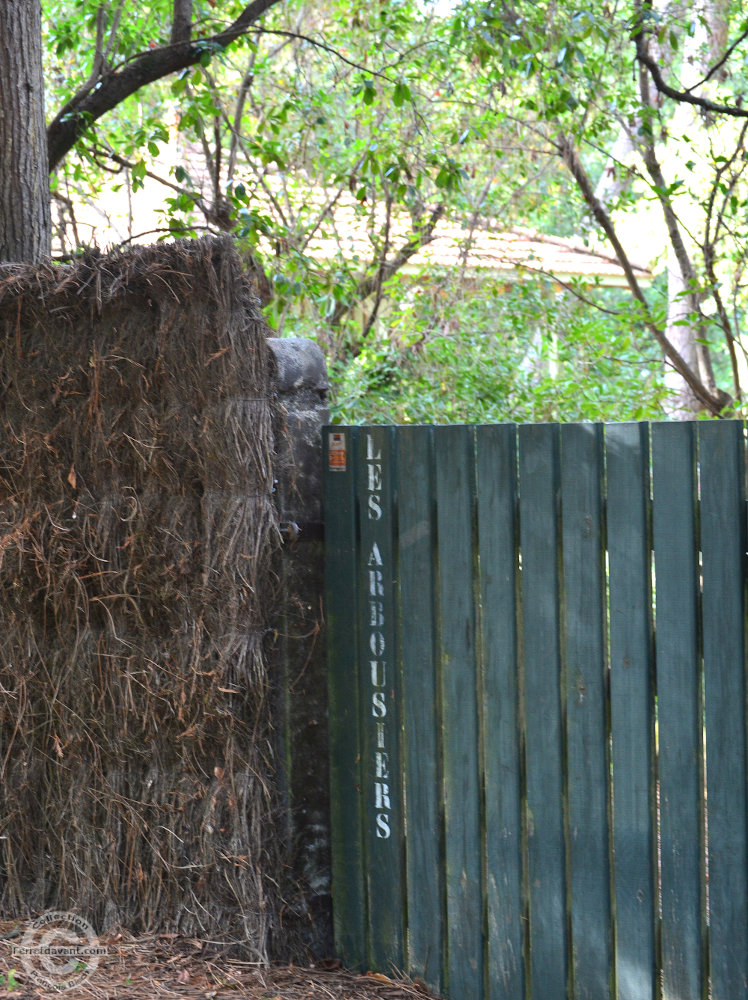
<point x="538" y="707"/>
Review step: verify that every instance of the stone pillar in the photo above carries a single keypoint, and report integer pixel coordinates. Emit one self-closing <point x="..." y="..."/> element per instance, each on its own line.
<point x="300" y="649"/>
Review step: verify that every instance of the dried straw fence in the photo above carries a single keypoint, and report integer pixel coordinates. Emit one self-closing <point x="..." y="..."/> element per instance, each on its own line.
<point x="137" y="527"/>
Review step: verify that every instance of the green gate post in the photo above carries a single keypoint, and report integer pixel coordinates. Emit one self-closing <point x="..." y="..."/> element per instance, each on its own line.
<point x="367" y="811"/>
<point x="346" y="805"/>
<point x="381" y="779"/>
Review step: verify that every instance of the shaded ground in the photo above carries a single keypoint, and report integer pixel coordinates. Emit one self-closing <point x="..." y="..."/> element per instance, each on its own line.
<point x="164" y="966"/>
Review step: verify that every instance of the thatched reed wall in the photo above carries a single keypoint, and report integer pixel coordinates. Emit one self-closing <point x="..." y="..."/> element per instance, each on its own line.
<point x="137" y="526"/>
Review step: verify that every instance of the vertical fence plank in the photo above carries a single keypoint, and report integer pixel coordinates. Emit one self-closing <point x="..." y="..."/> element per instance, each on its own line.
<point x="421" y="728"/>
<point x="679" y="713"/>
<point x="631" y="708"/>
<point x="462" y="813"/>
<point x="539" y="540"/>
<point x="496" y="465"/>
<point x="585" y="673"/>
<point x="723" y="546"/>
<point x="378" y="680"/>
<point x="341" y="567"/>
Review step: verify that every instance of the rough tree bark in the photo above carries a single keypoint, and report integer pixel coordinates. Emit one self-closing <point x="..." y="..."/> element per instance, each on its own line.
<point x="25" y="226"/>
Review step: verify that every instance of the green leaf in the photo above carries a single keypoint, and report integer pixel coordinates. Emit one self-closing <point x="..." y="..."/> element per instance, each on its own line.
<point x="401" y="94"/>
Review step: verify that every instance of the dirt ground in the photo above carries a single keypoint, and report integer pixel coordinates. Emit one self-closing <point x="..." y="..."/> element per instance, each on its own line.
<point x="166" y="966"/>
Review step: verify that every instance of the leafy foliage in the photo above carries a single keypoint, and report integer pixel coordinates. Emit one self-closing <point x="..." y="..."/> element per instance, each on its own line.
<point x="412" y="108"/>
<point x="504" y="352"/>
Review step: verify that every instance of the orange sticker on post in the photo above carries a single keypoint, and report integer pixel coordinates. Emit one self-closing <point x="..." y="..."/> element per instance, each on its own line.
<point x="336" y="451"/>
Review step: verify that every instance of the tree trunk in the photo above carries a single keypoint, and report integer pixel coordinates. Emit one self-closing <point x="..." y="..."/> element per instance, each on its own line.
<point x="25" y="227"/>
<point x="699" y="48"/>
<point x="682" y="403"/>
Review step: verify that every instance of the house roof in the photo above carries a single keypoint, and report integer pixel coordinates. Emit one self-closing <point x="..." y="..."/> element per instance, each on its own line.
<point x="516" y="251"/>
<point x="527" y="250"/>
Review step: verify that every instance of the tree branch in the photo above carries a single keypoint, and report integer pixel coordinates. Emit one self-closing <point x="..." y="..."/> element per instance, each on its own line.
<point x="235" y="126"/>
<point x="715" y="404"/>
<point x="181" y="22"/>
<point x="380" y="278"/>
<point x="98" y="60"/>
<point x="683" y="260"/>
<point x="129" y="164"/>
<point x="147" y="67"/>
<point x="690" y="292"/>
<point x="324" y="47"/>
<point x="721" y="61"/>
<point x="682" y="96"/>
<point x="369" y="283"/>
<point x="726" y="187"/>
